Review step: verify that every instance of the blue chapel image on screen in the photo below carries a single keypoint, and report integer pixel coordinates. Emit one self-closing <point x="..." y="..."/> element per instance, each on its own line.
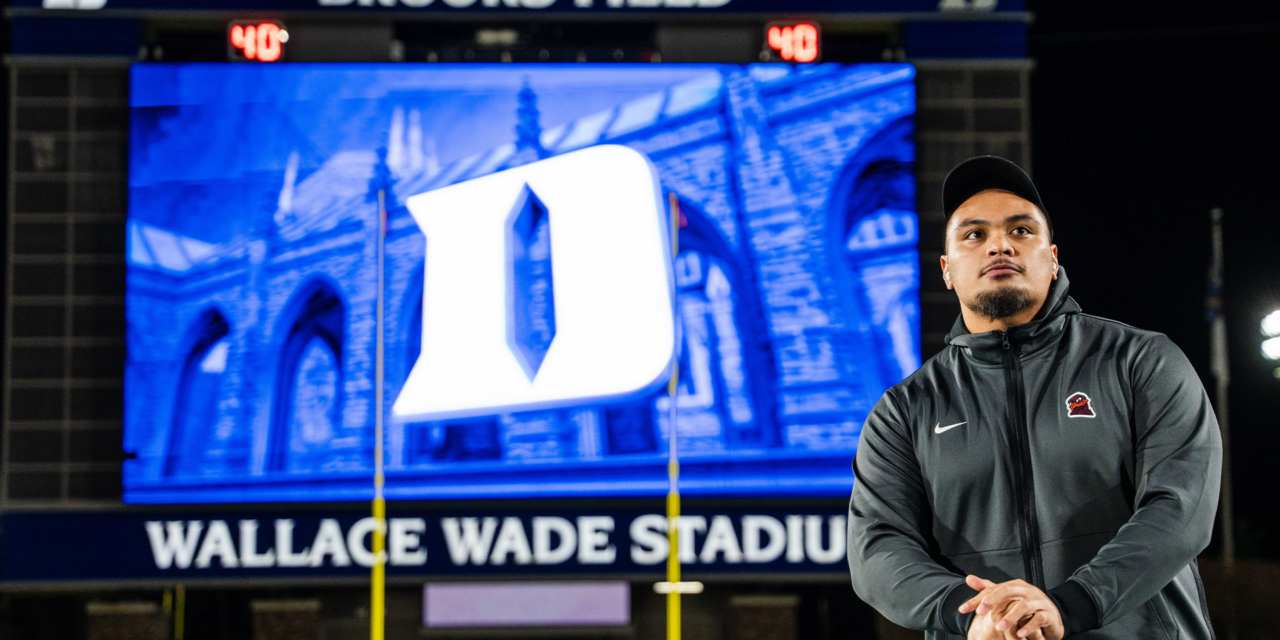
<point x="251" y="296"/>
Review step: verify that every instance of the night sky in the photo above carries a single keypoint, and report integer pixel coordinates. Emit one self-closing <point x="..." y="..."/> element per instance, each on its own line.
<point x="1146" y="115"/>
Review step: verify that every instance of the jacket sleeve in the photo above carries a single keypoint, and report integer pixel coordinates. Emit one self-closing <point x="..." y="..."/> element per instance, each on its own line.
<point x="889" y="528"/>
<point x="1177" y="472"/>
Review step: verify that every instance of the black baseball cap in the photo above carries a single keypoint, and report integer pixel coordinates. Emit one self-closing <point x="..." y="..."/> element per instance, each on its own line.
<point x="975" y="175"/>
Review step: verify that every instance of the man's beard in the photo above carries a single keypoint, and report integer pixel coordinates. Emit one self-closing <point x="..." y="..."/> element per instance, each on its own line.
<point x="1000" y="303"/>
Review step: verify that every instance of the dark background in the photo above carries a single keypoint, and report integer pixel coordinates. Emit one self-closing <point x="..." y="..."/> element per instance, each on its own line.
<point x="1146" y="115"/>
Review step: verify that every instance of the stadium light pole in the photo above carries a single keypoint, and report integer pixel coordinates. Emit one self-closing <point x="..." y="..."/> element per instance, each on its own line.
<point x="1222" y="375"/>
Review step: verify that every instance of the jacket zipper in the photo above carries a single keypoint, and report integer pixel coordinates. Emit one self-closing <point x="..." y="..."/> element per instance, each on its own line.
<point x="1023" y="482"/>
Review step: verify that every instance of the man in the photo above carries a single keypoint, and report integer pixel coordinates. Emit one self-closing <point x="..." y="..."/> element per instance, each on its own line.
<point x="1049" y="474"/>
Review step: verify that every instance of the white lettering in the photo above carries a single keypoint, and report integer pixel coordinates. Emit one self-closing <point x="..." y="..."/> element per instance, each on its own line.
<point x="468" y="540"/>
<point x="813" y="539"/>
<point x="721" y="539"/>
<point x="687" y="528"/>
<point x="249" y="556"/>
<point x="329" y="542"/>
<point x="795" y="538"/>
<point x="537" y="4"/>
<point x="405" y="541"/>
<point x="649" y="539"/>
<point x="170" y="545"/>
<point x="355" y="542"/>
<point x="593" y="540"/>
<point x="543" y="528"/>
<point x="416" y="4"/>
<point x="752" y="527"/>
<point x="967" y="5"/>
<point x="711" y="4"/>
<point x="334" y="3"/>
<point x="217" y="542"/>
<point x="285" y="557"/>
<point x="511" y="540"/>
<point x="459" y="4"/>
<point x="582" y="4"/>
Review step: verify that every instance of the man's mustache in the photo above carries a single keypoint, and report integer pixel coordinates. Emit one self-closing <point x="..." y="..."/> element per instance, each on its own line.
<point x="1003" y="263"/>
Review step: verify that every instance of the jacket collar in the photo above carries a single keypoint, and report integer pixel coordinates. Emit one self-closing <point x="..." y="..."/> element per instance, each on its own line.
<point x="1026" y="338"/>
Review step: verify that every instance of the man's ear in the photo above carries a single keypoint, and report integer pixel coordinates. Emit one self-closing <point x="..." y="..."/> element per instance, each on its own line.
<point x="946" y="276"/>
<point x="1054" y="249"/>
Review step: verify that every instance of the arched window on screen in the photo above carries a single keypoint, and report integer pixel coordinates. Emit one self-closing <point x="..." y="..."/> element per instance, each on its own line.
<point x="307" y="421"/>
<point x="195" y="415"/>
<point x="726" y="369"/>
<point x="875" y="236"/>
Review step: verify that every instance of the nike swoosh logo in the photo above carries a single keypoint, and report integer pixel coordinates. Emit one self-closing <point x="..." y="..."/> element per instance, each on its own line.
<point x="938" y="428"/>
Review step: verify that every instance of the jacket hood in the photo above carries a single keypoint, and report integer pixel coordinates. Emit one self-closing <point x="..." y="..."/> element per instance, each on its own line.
<point x="1030" y="337"/>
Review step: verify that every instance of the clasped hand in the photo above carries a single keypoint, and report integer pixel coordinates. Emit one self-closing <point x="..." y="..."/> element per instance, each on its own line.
<point x="1013" y="610"/>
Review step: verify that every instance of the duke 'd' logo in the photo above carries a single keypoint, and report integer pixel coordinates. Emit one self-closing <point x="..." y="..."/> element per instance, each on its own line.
<point x="1078" y="406"/>
<point x="546" y="285"/>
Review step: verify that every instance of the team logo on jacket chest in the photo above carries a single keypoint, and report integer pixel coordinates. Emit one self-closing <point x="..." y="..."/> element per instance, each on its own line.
<point x="1080" y="406"/>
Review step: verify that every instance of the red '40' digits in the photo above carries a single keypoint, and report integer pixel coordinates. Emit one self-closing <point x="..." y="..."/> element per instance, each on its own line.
<point x="797" y="43"/>
<point x="262" y="42"/>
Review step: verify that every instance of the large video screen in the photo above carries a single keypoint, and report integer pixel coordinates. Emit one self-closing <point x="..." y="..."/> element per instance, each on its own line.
<point x="532" y="313"/>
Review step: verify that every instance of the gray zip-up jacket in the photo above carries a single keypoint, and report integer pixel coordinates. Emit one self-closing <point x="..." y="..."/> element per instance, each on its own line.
<point x="1073" y="452"/>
